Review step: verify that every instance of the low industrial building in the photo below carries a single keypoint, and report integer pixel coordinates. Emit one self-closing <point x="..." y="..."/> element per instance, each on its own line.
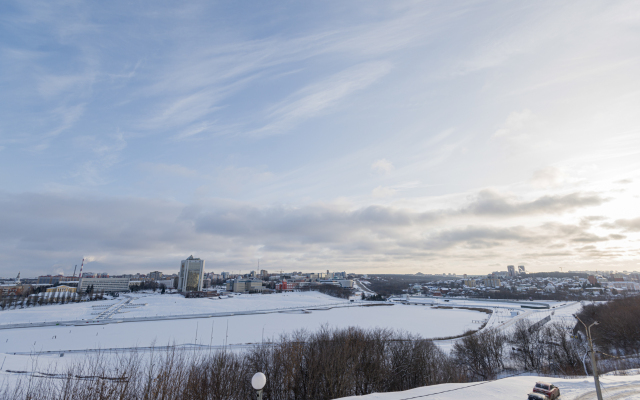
<point x="62" y="289"/>
<point x="168" y="283"/>
<point x="631" y="286"/>
<point x="53" y="279"/>
<point x="244" y="285"/>
<point x="15" y="290"/>
<point x="108" y="285"/>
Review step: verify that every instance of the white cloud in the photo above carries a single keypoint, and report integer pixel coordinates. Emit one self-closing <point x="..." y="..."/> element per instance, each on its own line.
<point x="516" y="123"/>
<point x="106" y="150"/>
<point x="67" y="117"/>
<point x="381" y="192"/>
<point x="548" y="177"/>
<point x="321" y="96"/>
<point x="382" y="166"/>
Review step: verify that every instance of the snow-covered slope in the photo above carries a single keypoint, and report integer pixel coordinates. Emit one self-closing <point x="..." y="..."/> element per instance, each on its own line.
<point x="614" y="387"/>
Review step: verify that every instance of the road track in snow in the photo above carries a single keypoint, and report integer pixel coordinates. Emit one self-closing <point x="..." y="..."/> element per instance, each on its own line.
<point x="624" y="392"/>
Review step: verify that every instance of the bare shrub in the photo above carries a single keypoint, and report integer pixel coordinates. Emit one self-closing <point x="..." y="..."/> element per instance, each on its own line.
<point x="481" y="355"/>
<point x="325" y="364"/>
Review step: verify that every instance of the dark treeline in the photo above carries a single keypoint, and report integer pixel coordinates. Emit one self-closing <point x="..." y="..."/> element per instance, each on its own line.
<point x="331" y="290"/>
<point x="387" y="285"/>
<point x="507" y="294"/>
<point x="619" y="324"/>
<point x="148" y="285"/>
<point x="324" y="365"/>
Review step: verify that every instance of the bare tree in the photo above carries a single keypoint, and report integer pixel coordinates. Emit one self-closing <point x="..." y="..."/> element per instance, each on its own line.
<point x="481" y="354"/>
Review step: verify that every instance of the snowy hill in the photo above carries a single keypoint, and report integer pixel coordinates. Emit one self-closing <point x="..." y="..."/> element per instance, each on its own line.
<point x="614" y="387"/>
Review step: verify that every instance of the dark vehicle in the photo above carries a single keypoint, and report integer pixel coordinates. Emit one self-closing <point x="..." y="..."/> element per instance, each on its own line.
<point x="537" y="396"/>
<point x="549" y="390"/>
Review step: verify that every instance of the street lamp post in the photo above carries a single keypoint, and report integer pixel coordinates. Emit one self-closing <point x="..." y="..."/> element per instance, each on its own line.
<point x="258" y="381"/>
<point x="596" y="379"/>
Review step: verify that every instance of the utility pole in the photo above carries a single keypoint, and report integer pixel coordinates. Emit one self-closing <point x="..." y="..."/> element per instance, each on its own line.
<point x="596" y="379"/>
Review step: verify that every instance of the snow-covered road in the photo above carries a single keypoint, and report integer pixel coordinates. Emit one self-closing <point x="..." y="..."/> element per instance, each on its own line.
<point x="517" y="388"/>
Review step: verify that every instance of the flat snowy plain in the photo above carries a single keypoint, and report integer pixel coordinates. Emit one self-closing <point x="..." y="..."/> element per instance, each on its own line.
<point x="181" y="321"/>
<point x="276" y="314"/>
<point x="235" y="329"/>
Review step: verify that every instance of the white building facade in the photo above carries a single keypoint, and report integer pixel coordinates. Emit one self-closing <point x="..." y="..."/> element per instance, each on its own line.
<point x="191" y="275"/>
<point x="168" y="283"/>
<point x="239" y="285"/>
<point x="109" y="285"/>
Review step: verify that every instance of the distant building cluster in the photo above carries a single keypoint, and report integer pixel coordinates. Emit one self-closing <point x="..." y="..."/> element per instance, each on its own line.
<point x="263" y="281"/>
<point x="516" y="282"/>
<point x="191" y="280"/>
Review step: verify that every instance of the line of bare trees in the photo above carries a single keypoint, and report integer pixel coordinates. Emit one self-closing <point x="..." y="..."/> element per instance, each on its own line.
<point x="8" y="302"/>
<point x="548" y="350"/>
<point x="327" y="364"/>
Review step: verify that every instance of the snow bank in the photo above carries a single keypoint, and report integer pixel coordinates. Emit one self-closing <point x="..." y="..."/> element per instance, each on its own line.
<point x="618" y="387"/>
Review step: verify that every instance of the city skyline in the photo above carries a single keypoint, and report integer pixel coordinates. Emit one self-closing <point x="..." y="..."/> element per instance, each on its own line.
<point x="373" y="137"/>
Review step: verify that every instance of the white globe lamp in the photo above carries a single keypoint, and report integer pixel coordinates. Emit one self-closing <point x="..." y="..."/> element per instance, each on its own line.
<point x="258" y="381"/>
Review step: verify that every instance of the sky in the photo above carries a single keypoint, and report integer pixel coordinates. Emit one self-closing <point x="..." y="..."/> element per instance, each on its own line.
<point x="361" y="136"/>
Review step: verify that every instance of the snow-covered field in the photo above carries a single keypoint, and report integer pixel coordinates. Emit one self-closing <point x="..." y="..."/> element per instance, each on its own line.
<point x="517" y="388"/>
<point x="232" y="321"/>
<point x="166" y="305"/>
<point x="235" y="329"/>
<point x="49" y="313"/>
<point x="275" y="315"/>
<point x="503" y="312"/>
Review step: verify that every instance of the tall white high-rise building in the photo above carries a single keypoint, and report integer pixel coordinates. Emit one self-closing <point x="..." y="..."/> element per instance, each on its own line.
<point x="191" y="275"/>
